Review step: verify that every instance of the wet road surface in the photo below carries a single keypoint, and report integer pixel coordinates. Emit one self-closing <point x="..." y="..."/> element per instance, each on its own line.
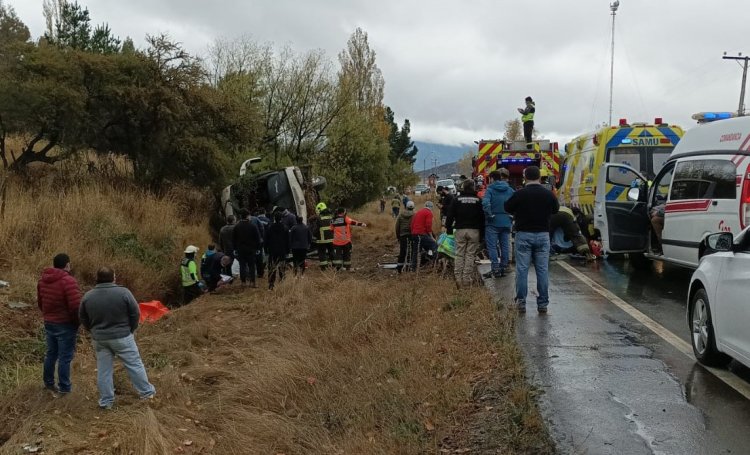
<point x="609" y="384"/>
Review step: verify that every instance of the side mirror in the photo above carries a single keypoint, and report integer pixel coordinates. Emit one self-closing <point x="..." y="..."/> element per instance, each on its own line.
<point x="634" y="194"/>
<point x="720" y="242"/>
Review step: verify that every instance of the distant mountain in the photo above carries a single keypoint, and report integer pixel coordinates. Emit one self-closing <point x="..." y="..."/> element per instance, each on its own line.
<point x="442" y="171"/>
<point x="444" y="154"/>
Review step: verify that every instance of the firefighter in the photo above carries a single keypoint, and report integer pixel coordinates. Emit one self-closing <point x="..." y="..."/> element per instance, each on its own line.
<point x="527" y="117"/>
<point x="342" y="238"/>
<point x="323" y="235"/>
<point x="566" y="236"/>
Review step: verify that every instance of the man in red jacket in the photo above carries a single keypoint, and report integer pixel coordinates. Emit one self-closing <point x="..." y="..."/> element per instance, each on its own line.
<point x="421" y="234"/>
<point x="58" y="297"/>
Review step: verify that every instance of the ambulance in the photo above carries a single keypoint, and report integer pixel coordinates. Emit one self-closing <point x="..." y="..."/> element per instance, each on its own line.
<point x="644" y="147"/>
<point x="702" y="187"/>
<point x="493" y="154"/>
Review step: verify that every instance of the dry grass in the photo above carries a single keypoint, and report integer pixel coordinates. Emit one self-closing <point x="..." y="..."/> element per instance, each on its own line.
<point x="96" y="223"/>
<point x="348" y="363"/>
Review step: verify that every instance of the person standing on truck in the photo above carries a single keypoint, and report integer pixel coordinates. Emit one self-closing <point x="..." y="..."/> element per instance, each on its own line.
<point x="247" y="241"/>
<point x="466" y="216"/>
<point x="527" y="117"/>
<point x="498" y="222"/>
<point x="403" y="234"/>
<point x="342" y="238"/>
<point x="532" y="207"/>
<point x="58" y="297"/>
<point x="320" y="226"/>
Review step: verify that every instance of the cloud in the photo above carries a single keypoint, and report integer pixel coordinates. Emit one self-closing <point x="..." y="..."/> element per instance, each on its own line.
<point x="458" y="70"/>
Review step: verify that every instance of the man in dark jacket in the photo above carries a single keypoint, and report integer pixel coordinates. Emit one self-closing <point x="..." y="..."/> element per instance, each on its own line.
<point x="532" y="206"/>
<point x="246" y="240"/>
<point x="225" y="236"/>
<point x="58" y="297"/>
<point x="497" y="221"/>
<point x="277" y="243"/>
<point x="403" y="234"/>
<point x="111" y="314"/>
<point x="466" y="217"/>
<point x="300" y="239"/>
<point x="446" y="199"/>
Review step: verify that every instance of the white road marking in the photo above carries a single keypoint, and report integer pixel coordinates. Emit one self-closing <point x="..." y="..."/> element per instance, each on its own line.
<point x="678" y="343"/>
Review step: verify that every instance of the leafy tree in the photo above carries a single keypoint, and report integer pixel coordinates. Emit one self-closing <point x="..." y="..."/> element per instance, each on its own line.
<point x="69" y="27"/>
<point x="12" y="29"/>
<point x="128" y="47"/>
<point x="43" y="102"/>
<point x="103" y="42"/>
<point x="355" y="161"/>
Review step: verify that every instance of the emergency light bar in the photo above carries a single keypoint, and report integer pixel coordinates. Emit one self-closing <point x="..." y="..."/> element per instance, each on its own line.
<point x="703" y="117"/>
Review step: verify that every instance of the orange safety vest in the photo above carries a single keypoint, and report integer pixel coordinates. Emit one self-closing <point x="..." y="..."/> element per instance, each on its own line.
<point x="342" y="231"/>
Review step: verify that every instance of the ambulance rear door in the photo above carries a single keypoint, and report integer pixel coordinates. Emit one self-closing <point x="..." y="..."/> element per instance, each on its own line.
<point x="622" y="221"/>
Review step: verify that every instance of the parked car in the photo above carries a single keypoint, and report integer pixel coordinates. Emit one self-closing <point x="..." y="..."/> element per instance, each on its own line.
<point x="717" y="312"/>
<point x="449" y="183"/>
<point x="420" y="189"/>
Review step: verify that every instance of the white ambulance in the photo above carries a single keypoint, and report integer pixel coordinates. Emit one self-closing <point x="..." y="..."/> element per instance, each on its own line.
<point x="703" y="188"/>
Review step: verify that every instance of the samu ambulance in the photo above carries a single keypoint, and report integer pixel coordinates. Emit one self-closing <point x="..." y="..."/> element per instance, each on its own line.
<point x="703" y="187"/>
<point x="644" y="147"/>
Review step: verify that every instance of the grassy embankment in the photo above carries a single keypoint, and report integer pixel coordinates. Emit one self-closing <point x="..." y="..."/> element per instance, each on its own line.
<point x="355" y="363"/>
<point x="98" y="220"/>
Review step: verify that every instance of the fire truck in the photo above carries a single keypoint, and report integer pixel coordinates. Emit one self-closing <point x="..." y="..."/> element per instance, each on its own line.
<point x="494" y="154"/>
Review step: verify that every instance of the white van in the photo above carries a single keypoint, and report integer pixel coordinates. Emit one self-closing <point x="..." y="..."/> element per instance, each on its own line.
<point x="704" y="187"/>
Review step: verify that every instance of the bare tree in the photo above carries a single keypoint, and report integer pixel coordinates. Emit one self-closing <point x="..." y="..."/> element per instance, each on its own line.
<point x="52" y="10"/>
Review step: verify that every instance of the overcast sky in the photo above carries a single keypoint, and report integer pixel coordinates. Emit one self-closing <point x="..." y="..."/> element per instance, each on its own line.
<point x="459" y="69"/>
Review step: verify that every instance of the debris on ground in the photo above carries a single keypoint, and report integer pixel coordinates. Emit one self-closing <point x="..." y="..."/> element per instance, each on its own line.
<point x="18" y="305"/>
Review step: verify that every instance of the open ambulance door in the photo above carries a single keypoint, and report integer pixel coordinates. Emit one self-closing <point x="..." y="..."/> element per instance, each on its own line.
<point x="620" y="212"/>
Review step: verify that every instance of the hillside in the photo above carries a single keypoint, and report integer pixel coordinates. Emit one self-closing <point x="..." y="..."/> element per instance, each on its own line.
<point x="334" y="363"/>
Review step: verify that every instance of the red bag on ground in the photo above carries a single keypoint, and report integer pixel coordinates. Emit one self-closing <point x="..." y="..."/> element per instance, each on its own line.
<point x="152" y="311"/>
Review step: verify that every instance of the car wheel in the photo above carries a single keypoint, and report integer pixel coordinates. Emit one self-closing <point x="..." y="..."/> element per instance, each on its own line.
<point x="702" y="336"/>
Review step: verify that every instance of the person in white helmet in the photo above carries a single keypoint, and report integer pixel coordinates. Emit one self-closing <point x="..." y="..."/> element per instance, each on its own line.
<point x="191" y="280"/>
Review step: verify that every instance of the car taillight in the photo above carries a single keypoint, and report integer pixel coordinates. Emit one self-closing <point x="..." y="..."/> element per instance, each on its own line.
<point x="745" y="203"/>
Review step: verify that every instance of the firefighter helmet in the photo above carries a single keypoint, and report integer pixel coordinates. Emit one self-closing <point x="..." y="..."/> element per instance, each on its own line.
<point x="320" y="207"/>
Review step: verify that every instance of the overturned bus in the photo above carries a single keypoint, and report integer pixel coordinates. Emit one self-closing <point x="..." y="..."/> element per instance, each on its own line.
<point x="287" y="188"/>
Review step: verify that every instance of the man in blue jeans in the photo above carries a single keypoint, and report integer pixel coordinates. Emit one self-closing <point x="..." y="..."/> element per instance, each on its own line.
<point x="58" y="298"/>
<point x="111" y="314"/>
<point x="532" y="207"/>
<point x="498" y="222"/>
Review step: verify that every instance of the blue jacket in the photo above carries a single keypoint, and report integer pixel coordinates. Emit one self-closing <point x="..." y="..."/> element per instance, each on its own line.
<point x="494" y="204"/>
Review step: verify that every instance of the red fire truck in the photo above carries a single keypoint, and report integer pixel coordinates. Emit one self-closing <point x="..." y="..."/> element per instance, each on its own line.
<point x="494" y="154"/>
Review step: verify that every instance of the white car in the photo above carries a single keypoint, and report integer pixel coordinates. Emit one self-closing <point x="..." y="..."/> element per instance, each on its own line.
<point x="718" y="313"/>
<point x="449" y="183"/>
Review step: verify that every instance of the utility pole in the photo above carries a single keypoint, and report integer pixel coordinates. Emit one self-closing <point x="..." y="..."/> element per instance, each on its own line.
<point x="612" y="7"/>
<point x="738" y="57"/>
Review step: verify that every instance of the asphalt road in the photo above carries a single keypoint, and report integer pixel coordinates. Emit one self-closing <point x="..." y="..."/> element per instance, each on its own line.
<point x="611" y="383"/>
